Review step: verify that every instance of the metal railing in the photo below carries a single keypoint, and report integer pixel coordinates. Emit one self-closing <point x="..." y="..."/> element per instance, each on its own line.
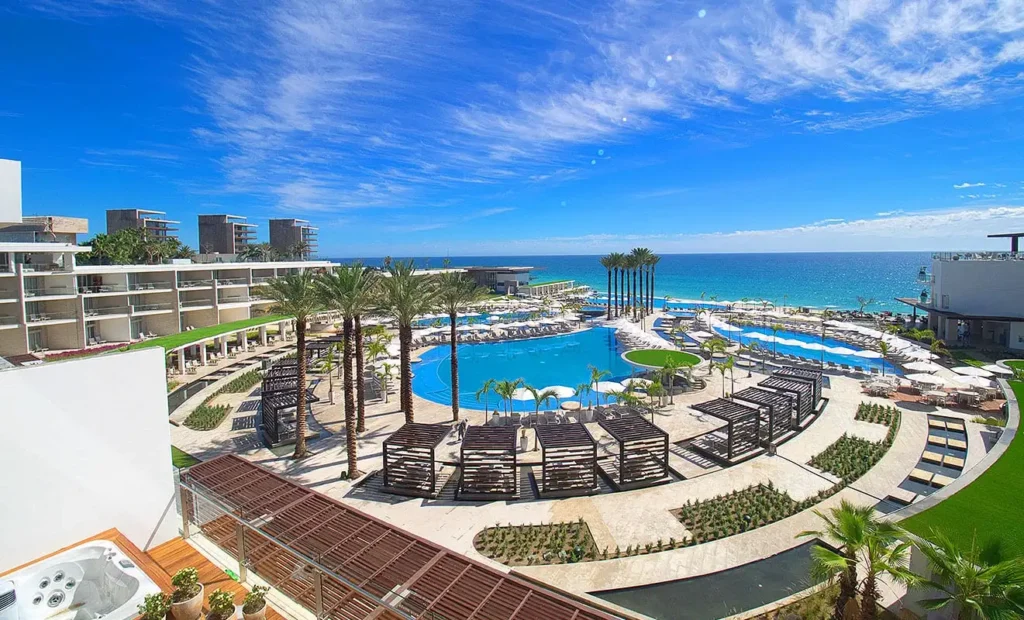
<point x="195" y="303"/>
<point x="148" y="286"/>
<point x="39" y="317"/>
<point x="102" y="288"/>
<point x="235" y="300"/>
<point x="50" y="292"/>
<point x="41" y="267"/>
<point x="262" y="279"/>
<point x="977" y="256"/>
<point x="113" y="310"/>
<point x="230" y="281"/>
<point x="194" y="283"/>
<point x="8" y="320"/>
<point x="150" y="307"/>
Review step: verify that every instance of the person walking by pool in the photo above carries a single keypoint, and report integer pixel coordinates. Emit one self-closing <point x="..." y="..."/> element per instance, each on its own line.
<point x="462" y="429"/>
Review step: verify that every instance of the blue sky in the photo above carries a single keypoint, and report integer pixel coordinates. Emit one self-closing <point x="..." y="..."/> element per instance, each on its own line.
<point x="412" y="128"/>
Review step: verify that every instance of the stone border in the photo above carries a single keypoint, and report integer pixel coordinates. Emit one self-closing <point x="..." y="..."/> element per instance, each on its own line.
<point x="1009" y="432"/>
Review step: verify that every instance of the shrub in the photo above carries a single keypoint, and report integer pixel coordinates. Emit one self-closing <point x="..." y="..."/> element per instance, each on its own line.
<point x="186" y="584"/>
<point x="222" y="605"/>
<point x="155" y="606"/>
<point x="207" y="417"/>
<point x="255" y="599"/>
<point x="242" y="382"/>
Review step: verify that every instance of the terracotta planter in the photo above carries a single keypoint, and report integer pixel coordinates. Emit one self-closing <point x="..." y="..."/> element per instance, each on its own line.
<point x="256" y="615"/>
<point x="190" y="609"/>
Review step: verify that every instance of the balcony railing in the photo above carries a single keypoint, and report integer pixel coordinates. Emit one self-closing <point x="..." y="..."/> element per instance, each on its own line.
<point x="261" y="279"/>
<point x="235" y="300"/>
<point x="230" y="281"/>
<point x="39" y="317"/>
<point x="194" y="283"/>
<point x="151" y="307"/>
<point x="48" y="292"/>
<point x="148" y="286"/>
<point x="195" y="303"/>
<point x="102" y="288"/>
<point x="8" y="320"/>
<point x="114" y="310"/>
<point x="977" y="256"/>
<point x="41" y="267"/>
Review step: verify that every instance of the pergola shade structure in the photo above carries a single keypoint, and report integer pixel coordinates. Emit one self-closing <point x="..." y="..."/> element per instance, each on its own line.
<point x="738" y="439"/>
<point x="642" y="458"/>
<point x="568" y="460"/>
<point x="409" y="464"/>
<point x="277" y="371"/>
<point x="806" y="374"/>
<point x="489" y="463"/>
<point x="279" y="400"/>
<point x="801" y="389"/>
<point x="342" y="564"/>
<point x="780" y="410"/>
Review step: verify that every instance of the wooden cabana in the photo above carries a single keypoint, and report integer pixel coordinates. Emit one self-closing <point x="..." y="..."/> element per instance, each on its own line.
<point x="410" y="467"/>
<point x="488" y="458"/>
<point x="800" y="389"/>
<point x="738" y="440"/>
<point x="642" y="458"/>
<point x="276" y="371"/>
<point x="568" y="460"/>
<point x="806" y="374"/>
<point x="780" y="410"/>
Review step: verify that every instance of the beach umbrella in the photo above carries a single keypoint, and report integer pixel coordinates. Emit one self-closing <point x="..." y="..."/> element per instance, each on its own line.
<point x="608" y="386"/>
<point x="980" y="382"/>
<point x="561" y="391"/>
<point x="522" y="394"/>
<point x="532" y="324"/>
<point x="920" y="354"/>
<point x="923" y="366"/>
<point x="464" y="328"/>
<point x="841" y="350"/>
<point x="971" y="371"/>
<point x="997" y="369"/>
<point x="868" y="354"/>
<point x="700" y="334"/>
<point x="926" y="379"/>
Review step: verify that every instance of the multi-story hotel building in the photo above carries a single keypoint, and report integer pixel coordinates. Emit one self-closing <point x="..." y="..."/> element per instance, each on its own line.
<point x="225" y="234"/>
<point x="150" y="221"/>
<point x="288" y="234"/>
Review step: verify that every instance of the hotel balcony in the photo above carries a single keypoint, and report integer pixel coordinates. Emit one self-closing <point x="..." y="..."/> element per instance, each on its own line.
<point x="978" y="256"/>
<point x="234" y="301"/>
<point x="106" y="313"/>
<point x="100" y="289"/>
<point x="51" y="317"/>
<point x="225" y="282"/>
<point x="195" y="284"/>
<point x="160" y="308"/>
<point x="261" y="279"/>
<point x="150" y="287"/>
<point x="195" y="304"/>
<point x="52" y="292"/>
<point x="8" y="322"/>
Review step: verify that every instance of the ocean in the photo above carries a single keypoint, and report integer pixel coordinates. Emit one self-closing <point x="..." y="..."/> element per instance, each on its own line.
<point x="795" y="279"/>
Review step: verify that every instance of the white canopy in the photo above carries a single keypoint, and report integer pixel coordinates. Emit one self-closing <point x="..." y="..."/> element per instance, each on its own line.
<point x="978" y="382"/>
<point x="971" y="371"/>
<point x="926" y="379"/>
<point x="923" y="366"/>
<point x="561" y="391"/>
<point x="608" y="386"/>
<point x="997" y="369"/>
<point x="522" y="394"/>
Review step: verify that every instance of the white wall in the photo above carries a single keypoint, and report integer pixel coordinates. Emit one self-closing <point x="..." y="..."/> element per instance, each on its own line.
<point x="986" y="288"/>
<point x="85" y="448"/>
<point x="10" y="191"/>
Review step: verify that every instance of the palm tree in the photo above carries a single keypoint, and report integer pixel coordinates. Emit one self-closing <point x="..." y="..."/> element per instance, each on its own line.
<point x="540" y="397"/>
<point x="456" y="293"/>
<point x="636" y="263"/>
<point x="618" y="260"/>
<point x="938" y="347"/>
<point x="349" y="289"/>
<point x="656" y="390"/>
<point x="384" y="374"/>
<point x="375" y="349"/>
<point x="776" y="328"/>
<point x="722" y="367"/>
<point x="507" y="389"/>
<point x="582" y="390"/>
<point x="886" y="553"/>
<point x="850" y="526"/>
<point x="864" y="302"/>
<point x="608" y="262"/>
<point x="668" y="371"/>
<point x="406" y="294"/>
<point x="756" y="349"/>
<point x="883" y="348"/>
<point x="296" y="295"/>
<point x="596" y="374"/>
<point x="976" y="588"/>
<point x="486" y="389"/>
<point x="327" y="363"/>
<point x="652" y="261"/>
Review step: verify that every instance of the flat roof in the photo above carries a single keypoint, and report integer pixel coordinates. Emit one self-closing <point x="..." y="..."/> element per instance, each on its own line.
<point x="96" y="269"/>
<point x="42" y="247"/>
<point x="1006" y="235"/>
<point x="910" y="301"/>
<point x="510" y="268"/>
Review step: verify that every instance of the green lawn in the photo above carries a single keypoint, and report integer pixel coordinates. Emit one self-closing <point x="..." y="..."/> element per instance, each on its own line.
<point x="182" y="459"/>
<point x="549" y="282"/>
<point x="176" y="340"/>
<point x="987" y="507"/>
<point x="658" y="357"/>
<point x="1015" y="364"/>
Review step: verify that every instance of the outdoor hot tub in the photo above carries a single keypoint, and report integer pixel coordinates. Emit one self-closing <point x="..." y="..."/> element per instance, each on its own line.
<point x="93" y="580"/>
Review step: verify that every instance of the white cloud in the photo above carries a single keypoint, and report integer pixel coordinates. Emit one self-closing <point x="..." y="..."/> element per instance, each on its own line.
<point x="1000" y="184"/>
<point x="966" y="185"/>
<point x="889" y="213"/>
<point x="1012" y="51"/>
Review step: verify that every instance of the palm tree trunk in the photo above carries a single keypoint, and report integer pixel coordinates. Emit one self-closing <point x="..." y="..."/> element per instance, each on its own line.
<point x="357" y="334"/>
<point x="634" y="294"/>
<point x="650" y="288"/>
<point x="350" y="413"/>
<point x="455" y="366"/>
<point x="618" y="292"/>
<point x="869" y="597"/>
<point x="847" y="587"/>
<point x="608" y="305"/>
<point x="300" y="397"/>
<point x="640" y="299"/>
<point x="405" y="343"/>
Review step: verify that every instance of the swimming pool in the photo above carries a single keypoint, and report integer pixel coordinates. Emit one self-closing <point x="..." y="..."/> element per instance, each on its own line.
<point x="477" y="318"/>
<point x="794" y="349"/>
<point x="541" y="362"/>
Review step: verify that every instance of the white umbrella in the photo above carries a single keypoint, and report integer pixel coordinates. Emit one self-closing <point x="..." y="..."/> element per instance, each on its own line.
<point x="868" y="354"/>
<point x="561" y="391"/>
<point x="608" y="386"/>
<point x="464" y="328"/>
<point x="920" y="354"/>
<point x="522" y="394"/>
<point x="532" y="324"/>
<point x="701" y="334"/>
<point x="971" y="371"/>
<point x="923" y="366"/>
<point x="841" y="350"/>
<point x="725" y="327"/>
<point x="976" y="382"/>
<point x="493" y="318"/>
<point x="481" y="327"/>
<point x="926" y="379"/>
<point x="997" y="369"/>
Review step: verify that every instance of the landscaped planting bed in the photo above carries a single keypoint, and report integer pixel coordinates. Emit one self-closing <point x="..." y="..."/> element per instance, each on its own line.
<point x="876" y="414"/>
<point x="242" y="382"/>
<point x="552" y="543"/>
<point x="850" y="457"/>
<point x="736" y="512"/>
<point x="207" y="417"/>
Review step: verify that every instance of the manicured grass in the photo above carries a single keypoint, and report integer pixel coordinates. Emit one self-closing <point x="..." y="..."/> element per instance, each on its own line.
<point x="968" y="358"/>
<point x="182" y="459"/>
<point x="176" y="340"/>
<point x="1015" y="364"/>
<point x="548" y="283"/>
<point x="988" y="508"/>
<point x="657" y="357"/>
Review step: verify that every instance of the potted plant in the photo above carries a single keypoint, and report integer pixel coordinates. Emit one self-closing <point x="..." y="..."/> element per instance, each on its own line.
<point x="255" y="605"/>
<point x="187" y="599"/>
<point x="155" y="606"/>
<point x="222" y="605"/>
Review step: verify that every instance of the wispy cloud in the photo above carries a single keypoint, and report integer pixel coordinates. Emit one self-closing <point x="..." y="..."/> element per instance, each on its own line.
<point x="967" y="185"/>
<point x="889" y="213"/>
<point x="160" y="155"/>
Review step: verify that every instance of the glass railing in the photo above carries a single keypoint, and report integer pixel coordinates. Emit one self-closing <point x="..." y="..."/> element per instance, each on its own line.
<point x="49" y="292"/>
<point x="41" y="267"/>
<point x="38" y="317"/>
<point x="235" y="300"/>
<point x="195" y="303"/>
<point x="106" y="311"/>
<point x="230" y="281"/>
<point x="102" y="288"/>
<point x="194" y="283"/>
<point x="151" y="307"/>
<point x="262" y="279"/>
<point x="977" y="256"/>
<point x="148" y="286"/>
<point x="8" y="320"/>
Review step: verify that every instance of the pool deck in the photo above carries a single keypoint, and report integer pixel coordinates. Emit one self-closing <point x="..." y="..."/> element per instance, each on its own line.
<point x="615" y="519"/>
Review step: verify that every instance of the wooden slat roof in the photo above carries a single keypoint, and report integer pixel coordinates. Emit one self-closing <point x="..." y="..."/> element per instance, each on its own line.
<point x="564" y="436"/>
<point x="367" y="553"/>
<point x="418" y="435"/>
<point x="786" y="383"/>
<point x="764" y="397"/>
<point x="632" y="428"/>
<point x="490" y="438"/>
<point x="727" y="410"/>
<point x="801" y="373"/>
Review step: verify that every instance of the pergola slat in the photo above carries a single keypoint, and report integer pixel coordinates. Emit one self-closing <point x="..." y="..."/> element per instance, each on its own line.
<point x="807" y="374"/>
<point x="742" y="430"/>
<point x="780" y="409"/>
<point x="488" y="460"/>
<point x="409" y="464"/>
<point x="568" y="461"/>
<point x="802" y="390"/>
<point x="642" y="457"/>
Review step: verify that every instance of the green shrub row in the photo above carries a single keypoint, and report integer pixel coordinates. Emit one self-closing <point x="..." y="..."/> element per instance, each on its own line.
<point x="850" y="457"/>
<point x="552" y="543"/>
<point x="876" y="413"/>
<point x="243" y="382"/>
<point x="207" y="417"/>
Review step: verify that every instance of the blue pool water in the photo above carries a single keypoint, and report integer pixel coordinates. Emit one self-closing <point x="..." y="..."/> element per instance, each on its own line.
<point x="480" y="318"/>
<point x="541" y="362"/>
<point x="849" y="360"/>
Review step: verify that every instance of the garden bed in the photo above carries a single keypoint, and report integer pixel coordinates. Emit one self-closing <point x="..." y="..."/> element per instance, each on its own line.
<point x="207" y="417"/>
<point x="552" y="543"/>
<point x="876" y="414"/>
<point x="850" y="457"/>
<point x="242" y="382"/>
<point x="737" y="512"/>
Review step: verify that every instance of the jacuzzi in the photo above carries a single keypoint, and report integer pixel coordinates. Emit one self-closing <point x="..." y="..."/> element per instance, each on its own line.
<point x="93" y="580"/>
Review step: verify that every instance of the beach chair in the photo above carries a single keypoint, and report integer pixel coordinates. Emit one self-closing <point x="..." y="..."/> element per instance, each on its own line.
<point x="858" y="370"/>
<point x="832" y="365"/>
<point x="874" y="372"/>
<point x="845" y="367"/>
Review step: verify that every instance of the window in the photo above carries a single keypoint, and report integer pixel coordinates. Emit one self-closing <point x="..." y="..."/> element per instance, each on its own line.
<point x="945" y="302"/>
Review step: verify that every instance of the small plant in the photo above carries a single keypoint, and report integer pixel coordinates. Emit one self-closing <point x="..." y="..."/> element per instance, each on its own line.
<point x="222" y="605"/>
<point x="155" y="606"/>
<point x="255" y="599"/>
<point x="186" y="584"/>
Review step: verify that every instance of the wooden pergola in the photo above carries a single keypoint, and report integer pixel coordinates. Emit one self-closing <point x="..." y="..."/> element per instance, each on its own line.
<point x="741" y="438"/>
<point x="780" y="410"/>
<point x="409" y="464"/>
<point x="568" y="460"/>
<point x="801" y="390"/>
<point x="805" y="374"/>
<point x="642" y="458"/>
<point x="488" y="458"/>
<point x="279" y="399"/>
<point x="277" y="371"/>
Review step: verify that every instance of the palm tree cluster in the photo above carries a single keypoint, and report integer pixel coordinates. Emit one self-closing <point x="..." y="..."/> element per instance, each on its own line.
<point x="630" y="282"/>
<point x="131" y="246"/>
<point x="868" y="548"/>
<point x="354" y="291"/>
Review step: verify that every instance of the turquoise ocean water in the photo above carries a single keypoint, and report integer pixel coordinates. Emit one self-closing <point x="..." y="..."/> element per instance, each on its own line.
<point x="809" y="279"/>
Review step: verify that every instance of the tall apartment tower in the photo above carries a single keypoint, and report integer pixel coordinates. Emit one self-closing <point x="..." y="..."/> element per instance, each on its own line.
<point x="288" y="234"/>
<point x="156" y="227"/>
<point x="225" y="234"/>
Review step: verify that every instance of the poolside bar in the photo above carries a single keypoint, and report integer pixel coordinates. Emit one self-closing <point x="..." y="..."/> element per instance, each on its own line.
<point x="801" y="389"/>
<point x="409" y="464"/>
<point x="807" y="374"/>
<point x="642" y="458"/>
<point x="488" y="457"/>
<point x="569" y="460"/>
<point x="780" y="410"/>
<point x="742" y="431"/>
